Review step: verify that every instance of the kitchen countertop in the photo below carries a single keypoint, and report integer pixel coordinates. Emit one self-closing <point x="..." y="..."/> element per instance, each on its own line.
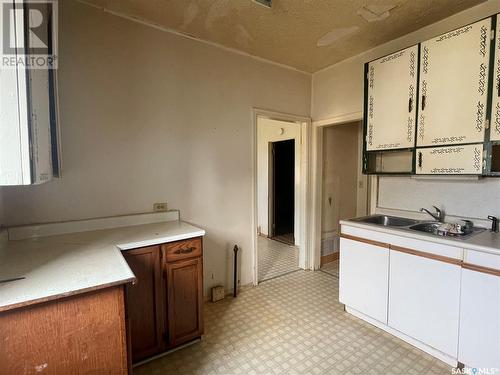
<point x="73" y="263"/>
<point x="485" y="241"/>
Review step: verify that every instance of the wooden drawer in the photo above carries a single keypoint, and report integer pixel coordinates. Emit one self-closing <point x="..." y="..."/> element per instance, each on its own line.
<point x="184" y="249"/>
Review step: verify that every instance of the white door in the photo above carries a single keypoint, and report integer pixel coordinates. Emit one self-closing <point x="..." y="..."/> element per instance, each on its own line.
<point x="454" y="86"/>
<point x="363" y="284"/>
<point x="424" y="299"/>
<point x="458" y="159"/>
<point x="479" y="344"/>
<point x="392" y="101"/>
<point x="495" y="107"/>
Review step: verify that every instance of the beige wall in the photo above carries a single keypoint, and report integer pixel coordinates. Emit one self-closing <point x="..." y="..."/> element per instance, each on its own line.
<point x="148" y="116"/>
<point x="338" y="91"/>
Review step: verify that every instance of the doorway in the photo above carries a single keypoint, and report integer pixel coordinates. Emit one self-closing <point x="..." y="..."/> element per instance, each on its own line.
<point x="344" y="187"/>
<point x="279" y="187"/>
<point x="282" y="191"/>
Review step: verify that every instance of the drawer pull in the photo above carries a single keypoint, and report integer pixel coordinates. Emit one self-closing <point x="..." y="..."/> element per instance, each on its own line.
<point x="185" y="251"/>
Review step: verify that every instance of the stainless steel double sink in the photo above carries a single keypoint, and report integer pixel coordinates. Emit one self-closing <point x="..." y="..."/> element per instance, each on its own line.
<point x="429" y="227"/>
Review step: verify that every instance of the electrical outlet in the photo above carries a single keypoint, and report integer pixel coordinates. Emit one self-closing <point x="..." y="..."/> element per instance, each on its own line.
<point x="160" y="207"/>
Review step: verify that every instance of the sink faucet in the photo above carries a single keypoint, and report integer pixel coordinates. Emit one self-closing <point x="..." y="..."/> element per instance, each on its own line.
<point x="439" y="215"/>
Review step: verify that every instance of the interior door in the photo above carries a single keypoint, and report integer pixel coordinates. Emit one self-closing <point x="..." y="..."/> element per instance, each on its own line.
<point x="460" y="159"/>
<point x="392" y="101"/>
<point x="145" y="302"/>
<point x="454" y="86"/>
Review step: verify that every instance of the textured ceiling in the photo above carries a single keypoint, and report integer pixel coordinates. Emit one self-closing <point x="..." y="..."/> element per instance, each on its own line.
<point x="305" y="34"/>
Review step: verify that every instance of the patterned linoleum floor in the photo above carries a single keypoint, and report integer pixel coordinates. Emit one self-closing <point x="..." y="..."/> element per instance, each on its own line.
<point x="292" y="325"/>
<point x="331" y="268"/>
<point x="276" y="258"/>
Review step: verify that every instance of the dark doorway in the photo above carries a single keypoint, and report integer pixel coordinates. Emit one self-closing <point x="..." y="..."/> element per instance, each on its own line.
<point x="283" y="191"/>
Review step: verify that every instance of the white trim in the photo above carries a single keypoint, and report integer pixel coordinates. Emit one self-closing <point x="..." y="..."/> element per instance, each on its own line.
<point x="76" y="226"/>
<point x="304" y="227"/>
<point x="339" y="120"/>
<point x="191" y="37"/>
<point x="410" y="340"/>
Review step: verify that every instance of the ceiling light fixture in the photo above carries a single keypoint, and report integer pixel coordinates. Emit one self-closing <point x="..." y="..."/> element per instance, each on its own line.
<point x="336" y="34"/>
<point x="373" y="13"/>
<point x="266" y="3"/>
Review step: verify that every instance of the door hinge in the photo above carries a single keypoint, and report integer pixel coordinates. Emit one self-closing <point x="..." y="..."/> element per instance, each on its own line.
<point x="492" y="36"/>
<point x="486" y="124"/>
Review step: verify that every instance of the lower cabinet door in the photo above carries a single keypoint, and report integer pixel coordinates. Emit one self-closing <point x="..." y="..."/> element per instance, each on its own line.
<point x="424" y="297"/>
<point x="364" y="271"/>
<point x="184" y="300"/>
<point x="479" y="344"/>
<point x="146" y="303"/>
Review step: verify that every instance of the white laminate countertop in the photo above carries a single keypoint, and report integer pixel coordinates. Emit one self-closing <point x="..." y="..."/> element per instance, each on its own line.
<point x="67" y="264"/>
<point x="485" y="241"/>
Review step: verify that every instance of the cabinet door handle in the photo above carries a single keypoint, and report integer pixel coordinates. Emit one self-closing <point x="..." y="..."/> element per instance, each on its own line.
<point x="184" y="251"/>
<point x="498" y="86"/>
<point x="410" y="105"/>
<point x="420" y="160"/>
<point x="423" y="102"/>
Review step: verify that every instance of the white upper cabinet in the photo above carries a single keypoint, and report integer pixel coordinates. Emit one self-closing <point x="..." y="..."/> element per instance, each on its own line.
<point x="495" y="107"/>
<point x="459" y="159"/>
<point x="453" y="86"/>
<point x="391" y="101"/>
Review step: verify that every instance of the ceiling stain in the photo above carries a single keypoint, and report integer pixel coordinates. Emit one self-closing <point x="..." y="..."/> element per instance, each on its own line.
<point x="305" y="34"/>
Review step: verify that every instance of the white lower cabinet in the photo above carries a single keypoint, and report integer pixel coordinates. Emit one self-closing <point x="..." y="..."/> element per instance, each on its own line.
<point x="424" y="297"/>
<point x="479" y="343"/>
<point x="364" y="272"/>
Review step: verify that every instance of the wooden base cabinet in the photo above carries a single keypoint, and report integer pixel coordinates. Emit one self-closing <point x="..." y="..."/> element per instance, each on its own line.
<point x="81" y="334"/>
<point x="165" y="306"/>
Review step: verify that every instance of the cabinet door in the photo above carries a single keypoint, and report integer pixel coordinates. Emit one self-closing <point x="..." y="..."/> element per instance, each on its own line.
<point x="184" y="300"/>
<point x="364" y="271"/>
<point x="146" y="303"/>
<point x="392" y="97"/>
<point x="479" y="344"/>
<point x="466" y="159"/>
<point x="424" y="300"/>
<point x="454" y="86"/>
<point x="495" y="107"/>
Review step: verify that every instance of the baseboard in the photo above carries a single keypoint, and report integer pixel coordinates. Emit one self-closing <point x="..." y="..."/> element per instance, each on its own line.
<point x="446" y="358"/>
<point x="329" y="258"/>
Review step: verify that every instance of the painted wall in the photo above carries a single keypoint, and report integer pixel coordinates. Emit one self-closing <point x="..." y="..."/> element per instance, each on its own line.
<point x="338" y="91"/>
<point x="270" y="131"/>
<point x="149" y="116"/>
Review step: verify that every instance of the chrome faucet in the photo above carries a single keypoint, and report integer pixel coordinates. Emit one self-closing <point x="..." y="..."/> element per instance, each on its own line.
<point x="439" y="215"/>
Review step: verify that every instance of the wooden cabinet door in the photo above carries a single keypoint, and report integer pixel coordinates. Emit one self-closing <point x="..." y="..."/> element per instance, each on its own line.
<point x="424" y="299"/>
<point x="479" y="344"/>
<point x="146" y="302"/>
<point x="458" y="159"/>
<point x="454" y="86"/>
<point x="184" y="300"/>
<point x="364" y="272"/>
<point x="495" y="107"/>
<point x="392" y="101"/>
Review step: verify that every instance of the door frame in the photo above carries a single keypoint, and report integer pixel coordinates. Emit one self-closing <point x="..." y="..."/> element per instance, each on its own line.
<point x="317" y="180"/>
<point x="304" y="227"/>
